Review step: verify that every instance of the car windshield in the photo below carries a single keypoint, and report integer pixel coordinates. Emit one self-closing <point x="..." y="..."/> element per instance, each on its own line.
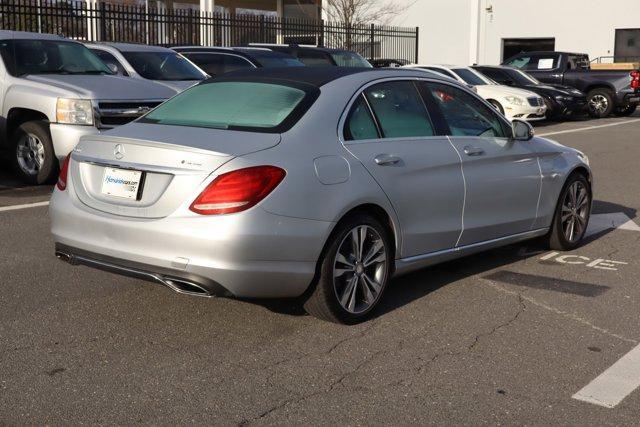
<point x="350" y="59"/>
<point x="472" y="77"/>
<point x="163" y="66"/>
<point x="247" y="105"/>
<point x="523" y="78"/>
<point x="24" y="57"/>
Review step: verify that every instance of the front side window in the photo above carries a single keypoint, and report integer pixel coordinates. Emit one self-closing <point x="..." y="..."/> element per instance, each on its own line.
<point x="24" y="57"/>
<point x="360" y="124"/>
<point x="247" y="106"/>
<point x="400" y="111"/>
<point x="466" y="115"/>
<point x="163" y="66"/>
<point x="497" y="75"/>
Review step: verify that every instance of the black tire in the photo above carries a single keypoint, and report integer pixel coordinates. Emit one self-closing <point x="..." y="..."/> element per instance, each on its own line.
<point x="556" y="239"/>
<point x="323" y="301"/>
<point x="497" y="106"/>
<point x="46" y="169"/>
<point x="600" y="102"/>
<point x="625" y="111"/>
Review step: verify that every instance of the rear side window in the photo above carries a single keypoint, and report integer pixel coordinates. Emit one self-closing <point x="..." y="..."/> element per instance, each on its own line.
<point x="465" y="115"/>
<point x="399" y="109"/>
<point x="266" y="107"/>
<point x="360" y="124"/>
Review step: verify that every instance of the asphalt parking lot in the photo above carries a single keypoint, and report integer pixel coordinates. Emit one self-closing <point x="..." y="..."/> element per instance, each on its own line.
<point x="515" y="335"/>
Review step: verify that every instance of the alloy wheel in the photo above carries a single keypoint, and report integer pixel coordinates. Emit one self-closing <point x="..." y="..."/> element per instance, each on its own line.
<point x="575" y="209"/>
<point x="599" y="104"/>
<point x="30" y="154"/>
<point x="360" y="269"/>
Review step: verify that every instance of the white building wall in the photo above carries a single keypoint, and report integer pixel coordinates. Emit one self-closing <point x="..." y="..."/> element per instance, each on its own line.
<point x="449" y="29"/>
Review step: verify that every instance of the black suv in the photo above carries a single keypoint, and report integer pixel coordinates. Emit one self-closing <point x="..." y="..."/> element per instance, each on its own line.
<point x="219" y="60"/>
<point x="313" y="56"/>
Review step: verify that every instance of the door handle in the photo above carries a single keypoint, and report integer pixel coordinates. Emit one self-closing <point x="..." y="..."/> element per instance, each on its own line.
<point x="386" y="159"/>
<point x="473" y="151"/>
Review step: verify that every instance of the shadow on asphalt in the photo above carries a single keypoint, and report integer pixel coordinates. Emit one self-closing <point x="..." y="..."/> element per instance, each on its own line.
<point x="411" y="287"/>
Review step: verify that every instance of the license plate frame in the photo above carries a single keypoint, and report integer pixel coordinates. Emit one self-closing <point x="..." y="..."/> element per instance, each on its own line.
<point x="634" y="99"/>
<point x="126" y="184"/>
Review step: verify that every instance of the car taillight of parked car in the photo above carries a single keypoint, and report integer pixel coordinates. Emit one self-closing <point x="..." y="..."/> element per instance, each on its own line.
<point x="635" y="79"/>
<point x="64" y="170"/>
<point x="238" y="190"/>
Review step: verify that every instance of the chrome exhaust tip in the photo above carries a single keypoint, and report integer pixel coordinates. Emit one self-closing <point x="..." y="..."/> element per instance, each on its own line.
<point x="186" y="287"/>
<point x="63" y="257"/>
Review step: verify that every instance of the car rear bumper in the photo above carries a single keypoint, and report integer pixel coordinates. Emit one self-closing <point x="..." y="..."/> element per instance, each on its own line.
<point x="254" y="254"/>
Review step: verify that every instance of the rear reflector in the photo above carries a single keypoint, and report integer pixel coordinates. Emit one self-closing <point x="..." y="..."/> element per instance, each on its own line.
<point x="64" y="170"/>
<point x="238" y="190"/>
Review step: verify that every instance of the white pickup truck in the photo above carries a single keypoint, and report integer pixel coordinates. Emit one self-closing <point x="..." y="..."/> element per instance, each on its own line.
<point x="52" y="92"/>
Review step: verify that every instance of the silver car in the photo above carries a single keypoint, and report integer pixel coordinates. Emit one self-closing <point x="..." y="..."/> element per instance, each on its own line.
<point x="313" y="183"/>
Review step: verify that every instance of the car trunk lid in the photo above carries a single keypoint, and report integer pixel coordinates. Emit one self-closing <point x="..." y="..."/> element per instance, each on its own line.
<point x="168" y="164"/>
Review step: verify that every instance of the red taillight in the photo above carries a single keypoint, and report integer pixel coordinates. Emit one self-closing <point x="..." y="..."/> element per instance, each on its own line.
<point x="64" y="170"/>
<point x="238" y="190"/>
<point x="635" y="79"/>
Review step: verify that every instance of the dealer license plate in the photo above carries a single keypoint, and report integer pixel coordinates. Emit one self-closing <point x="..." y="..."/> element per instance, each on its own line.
<point x="123" y="183"/>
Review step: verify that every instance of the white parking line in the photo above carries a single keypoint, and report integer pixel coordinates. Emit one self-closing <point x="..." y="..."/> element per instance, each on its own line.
<point x="25" y="206"/>
<point x="614" y="384"/>
<point x="590" y="128"/>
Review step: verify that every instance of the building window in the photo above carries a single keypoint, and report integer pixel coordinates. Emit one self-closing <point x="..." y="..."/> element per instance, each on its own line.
<point x="301" y="9"/>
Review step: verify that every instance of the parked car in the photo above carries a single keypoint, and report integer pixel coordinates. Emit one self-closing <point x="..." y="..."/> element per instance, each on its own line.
<point x="318" y="56"/>
<point x="561" y="101"/>
<point x="322" y="183"/>
<point x="53" y="91"/>
<point x="608" y="91"/>
<point x="219" y="60"/>
<point x="512" y="102"/>
<point x="156" y="63"/>
<point x="389" y="63"/>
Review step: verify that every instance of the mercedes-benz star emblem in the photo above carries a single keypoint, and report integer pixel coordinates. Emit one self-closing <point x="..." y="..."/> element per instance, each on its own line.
<point x="119" y="151"/>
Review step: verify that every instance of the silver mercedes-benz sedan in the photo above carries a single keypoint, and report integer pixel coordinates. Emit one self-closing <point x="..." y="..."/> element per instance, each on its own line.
<point x="313" y="183"/>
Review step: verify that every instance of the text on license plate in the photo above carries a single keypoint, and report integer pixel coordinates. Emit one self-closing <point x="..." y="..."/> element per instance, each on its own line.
<point x="121" y="183"/>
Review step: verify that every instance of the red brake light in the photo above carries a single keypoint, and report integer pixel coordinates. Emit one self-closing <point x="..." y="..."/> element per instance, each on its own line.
<point x="238" y="190"/>
<point x="64" y="170"/>
<point x="635" y="79"/>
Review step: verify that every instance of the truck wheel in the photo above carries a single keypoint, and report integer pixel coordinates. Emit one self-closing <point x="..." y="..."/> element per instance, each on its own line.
<point x="32" y="153"/>
<point x="600" y="102"/>
<point x="625" y="111"/>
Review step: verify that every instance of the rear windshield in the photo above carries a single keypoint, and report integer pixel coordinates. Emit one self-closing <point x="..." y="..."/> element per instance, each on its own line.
<point x="350" y="59"/>
<point x="237" y="105"/>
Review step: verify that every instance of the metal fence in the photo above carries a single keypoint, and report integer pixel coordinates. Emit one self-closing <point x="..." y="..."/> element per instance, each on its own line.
<point x="101" y="21"/>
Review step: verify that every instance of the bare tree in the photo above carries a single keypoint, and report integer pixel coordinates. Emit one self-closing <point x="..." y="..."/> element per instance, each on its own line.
<point x="358" y="12"/>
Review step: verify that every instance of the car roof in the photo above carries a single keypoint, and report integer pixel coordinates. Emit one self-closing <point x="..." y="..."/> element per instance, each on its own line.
<point x="299" y="47"/>
<point x="9" y="34"/>
<point x="318" y="76"/>
<point x="247" y="50"/>
<point x="132" y="47"/>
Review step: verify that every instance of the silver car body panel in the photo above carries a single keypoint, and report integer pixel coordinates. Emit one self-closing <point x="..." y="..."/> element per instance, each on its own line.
<point x="272" y="249"/>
